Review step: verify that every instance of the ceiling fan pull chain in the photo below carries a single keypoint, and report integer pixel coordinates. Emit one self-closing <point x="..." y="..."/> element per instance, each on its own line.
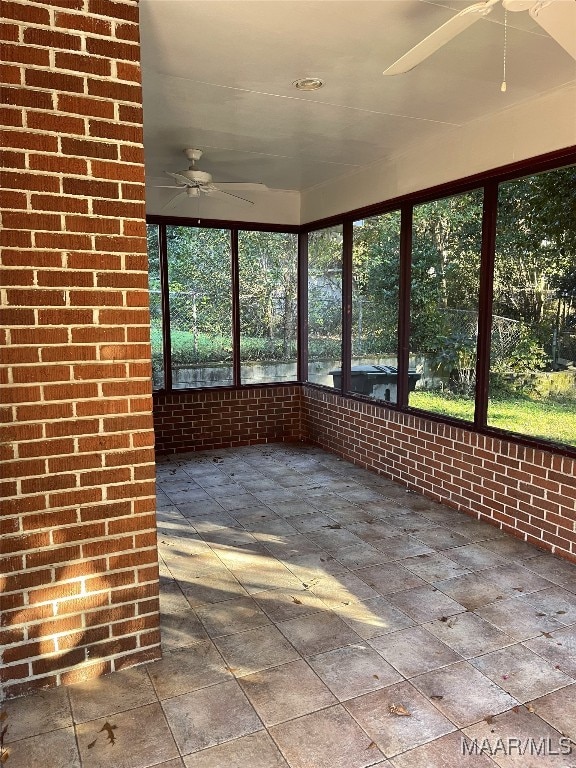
<point x="503" y="86"/>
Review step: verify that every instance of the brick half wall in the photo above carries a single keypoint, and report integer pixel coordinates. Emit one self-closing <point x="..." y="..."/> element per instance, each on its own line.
<point x="80" y="585"/>
<point x="527" y="492"/>
<point x="192" y="421"/>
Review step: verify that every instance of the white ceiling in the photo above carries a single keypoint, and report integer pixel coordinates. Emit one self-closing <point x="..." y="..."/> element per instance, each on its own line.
<point x="217" y="75"/>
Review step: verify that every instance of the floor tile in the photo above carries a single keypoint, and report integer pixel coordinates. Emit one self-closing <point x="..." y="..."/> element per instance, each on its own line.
<point x="210" y="716"/>
<point x="442" y="538"/>
<point x="186" y="670"/>
<point x="293" y="508"/>
<point x="559" y="709"/>
<point x="463" y="694"/>
<point x="414" y="651"/>
<point x="257" y="750"/>
<point x="35" y="714"/>
<point x="475" y="530"/>
<point x="468" y="634"/>
<point x="389" y="577"/>
<point x="556" y="602"/>
<point x="258" y="649"/>
<point x="373" y="529"/>
<point x="201" y="508"/>
<point x="445" y="752"/>
<point x="401" y="547"/>
<point x="353" y="670"/>
<point x="475" y="557"/>
<point x="359" y="556"/>
<point x="141" y="738"/>
<point x="326" y="739"/>
<point x="213" y="587"/>
<point x="265" y="574"/>
<point x="56" y="749"/>
<point x="288" y="547"/>
<point x="395" y="733"/>
<point x="109" y="694"/>
<point x="511" y="549"/>
<point x="317" y="633"/>
<point x="180" y="628"/>
<point x="238" y="501"/>
<point x="314" y="521"/>
<point x="232" y="616"/>
<point x="270" y="529"/>
<point x="334" y="539"/>
<point x="518" y="619"/>
<point x="425" y="604"/>
<point x="559" y="648"/>
<point x="283" y="604"/>
<point x="471" y="590"/>
<point x="554" y="569"/>
<point x="522" y="673"/>
<point x="315" y="564"/>
<point x="285" y="692"/>
<point x="342" y="589"/>
<point x="516" y="579"/>
<point x="371" y="618"/>
<point x="525" y="728"/>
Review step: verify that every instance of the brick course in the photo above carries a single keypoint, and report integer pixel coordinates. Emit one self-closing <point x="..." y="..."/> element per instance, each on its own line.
<point x="186" y="421"/>
<point x="77" y="429"/>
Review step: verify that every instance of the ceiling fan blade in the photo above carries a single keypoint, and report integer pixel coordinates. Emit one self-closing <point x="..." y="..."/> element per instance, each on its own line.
<point x="558" y="18"/>
<point x="180" y="178"/>
<point x="221" y="192"/>
<point x="440" y="37"/>
<point x="174" y="201"/>
<point x="167" y="186"/>
<point x="241" y="186"/>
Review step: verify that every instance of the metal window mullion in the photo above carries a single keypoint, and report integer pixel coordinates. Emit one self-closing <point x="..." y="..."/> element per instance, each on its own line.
<point x="404" y="303"/>
<point x="165" y="306"/>
<point x="347" y="229"/>
<point x="234" y="265"/>
<point x="302" y="307"/>
<point x="485" y="302"/>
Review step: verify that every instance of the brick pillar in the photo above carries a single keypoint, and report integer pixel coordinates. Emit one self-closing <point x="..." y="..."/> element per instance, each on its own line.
<point x="80" y="587"/>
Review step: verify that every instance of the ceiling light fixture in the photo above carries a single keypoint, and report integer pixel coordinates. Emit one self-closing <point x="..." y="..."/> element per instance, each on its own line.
<point x="308" y="84"/>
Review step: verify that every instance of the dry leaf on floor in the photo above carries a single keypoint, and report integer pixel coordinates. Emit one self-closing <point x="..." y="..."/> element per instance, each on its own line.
<point x="436" y="697"/>
<point x="399" y="710"/>
<point x="530" y="708"/>
<point x="489" y="719"/>
<point x="372" y="745"/>
<point x="109" y="731"/>
<point x="295" y="600"/>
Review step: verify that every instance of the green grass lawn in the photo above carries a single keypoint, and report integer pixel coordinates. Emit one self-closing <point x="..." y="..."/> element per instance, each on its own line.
<point x="534" y="418"/>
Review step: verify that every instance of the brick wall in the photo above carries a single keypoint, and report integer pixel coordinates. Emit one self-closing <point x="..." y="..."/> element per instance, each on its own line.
<point x="78" y="530"/>
<point x="187" y="421"/>
<point x="527" y="492"/>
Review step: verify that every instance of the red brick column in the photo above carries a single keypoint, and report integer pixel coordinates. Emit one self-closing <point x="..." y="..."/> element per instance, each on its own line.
<point x="79" y="593"/>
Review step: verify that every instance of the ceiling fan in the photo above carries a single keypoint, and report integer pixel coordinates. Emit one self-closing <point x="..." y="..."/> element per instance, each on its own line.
<point x="195" y="183"/>
<point x="556" y="17"/>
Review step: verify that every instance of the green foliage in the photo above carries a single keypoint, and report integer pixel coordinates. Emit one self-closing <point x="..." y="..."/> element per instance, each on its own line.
<point x="454" y="358"/>
<point x="546" y="419"/>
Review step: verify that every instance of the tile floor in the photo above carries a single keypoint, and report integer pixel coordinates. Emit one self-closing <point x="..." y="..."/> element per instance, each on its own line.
<point x="315" y="615"/>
